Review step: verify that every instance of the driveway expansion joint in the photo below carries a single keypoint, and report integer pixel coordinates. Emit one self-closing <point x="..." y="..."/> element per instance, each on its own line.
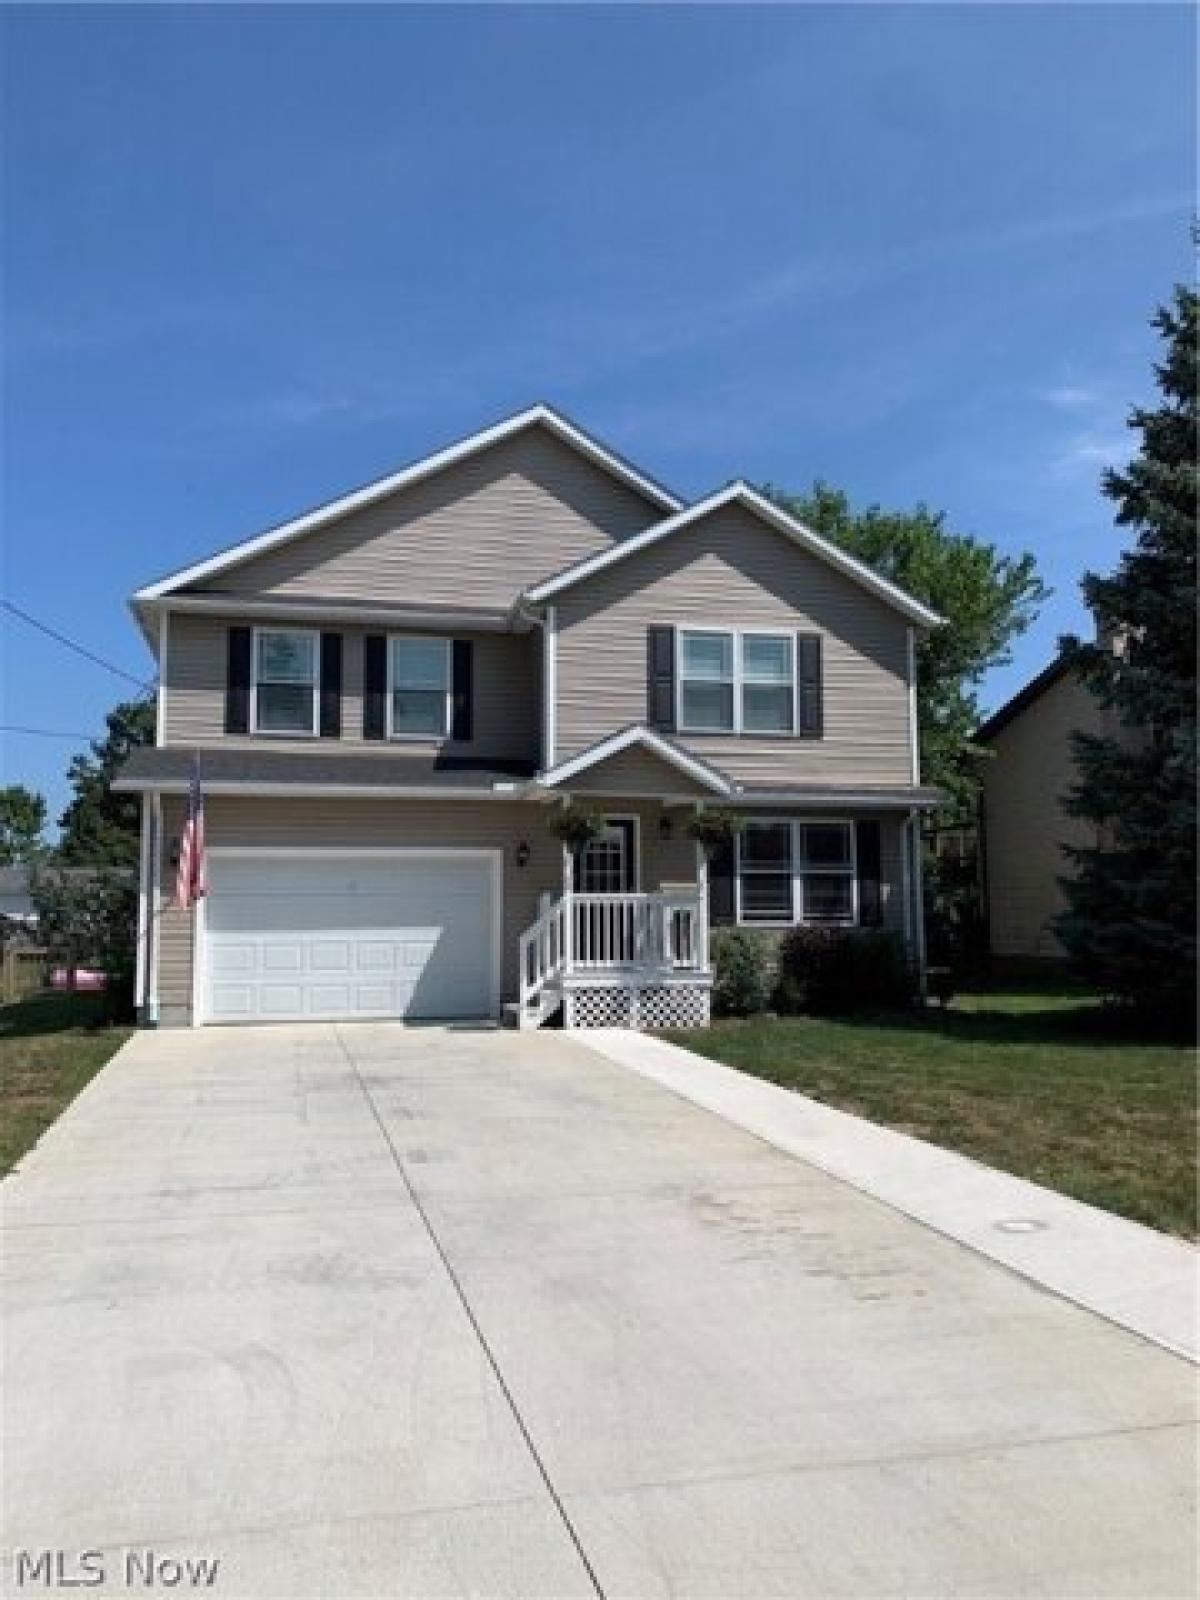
<point x="469" y="1312"/>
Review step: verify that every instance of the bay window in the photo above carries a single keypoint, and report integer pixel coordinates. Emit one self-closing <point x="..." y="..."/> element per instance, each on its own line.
<point x="791" y="871"/>
<point x="285" y="681"/>
<point x="418" y="688"/>
<point x="736" y="682"/>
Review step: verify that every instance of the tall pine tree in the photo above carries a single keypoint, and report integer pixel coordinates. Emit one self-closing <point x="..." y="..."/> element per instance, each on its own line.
<point x="1131" y="917"/>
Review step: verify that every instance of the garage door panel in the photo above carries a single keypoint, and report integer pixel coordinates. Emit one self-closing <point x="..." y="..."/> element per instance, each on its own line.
<point x="327" y="937"/>
<point x="275" y="956"/>
<point x="235" y="959"/>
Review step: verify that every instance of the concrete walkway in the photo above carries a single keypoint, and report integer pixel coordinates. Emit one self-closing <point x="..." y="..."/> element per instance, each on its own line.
<point x="367" y="1311"/>
<point x="1141" y="1279"/>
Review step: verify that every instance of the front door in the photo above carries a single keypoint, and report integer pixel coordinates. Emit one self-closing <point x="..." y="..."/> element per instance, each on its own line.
<point x="608" y="865"/>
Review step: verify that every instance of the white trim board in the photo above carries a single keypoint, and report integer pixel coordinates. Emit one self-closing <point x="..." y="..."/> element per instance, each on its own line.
<point x="741" y="493"/>
<point x="538" y="415"/>
<point x="647" y="739"/>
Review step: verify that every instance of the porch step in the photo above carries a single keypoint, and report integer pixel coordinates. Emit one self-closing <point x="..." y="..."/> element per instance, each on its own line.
<point x="536" y="1013"/>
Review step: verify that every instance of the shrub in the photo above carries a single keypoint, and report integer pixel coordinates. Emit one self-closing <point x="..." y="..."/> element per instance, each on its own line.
<point x="741" y="962"/>
<point x="830" y="971"/>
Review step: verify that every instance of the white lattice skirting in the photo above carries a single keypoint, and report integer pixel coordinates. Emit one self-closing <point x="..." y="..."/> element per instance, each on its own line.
<point x="676" y="1005"/>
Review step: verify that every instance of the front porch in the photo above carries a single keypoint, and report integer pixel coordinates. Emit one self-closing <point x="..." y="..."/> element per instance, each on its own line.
<point x="620" y="959"/>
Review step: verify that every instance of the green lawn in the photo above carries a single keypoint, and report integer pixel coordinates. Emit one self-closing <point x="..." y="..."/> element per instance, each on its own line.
<point x="50" y="1047"/>
<point x="1039" y="1082"/>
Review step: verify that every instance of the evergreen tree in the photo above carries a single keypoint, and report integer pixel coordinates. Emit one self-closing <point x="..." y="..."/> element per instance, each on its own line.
<point x="1131" y="917"/>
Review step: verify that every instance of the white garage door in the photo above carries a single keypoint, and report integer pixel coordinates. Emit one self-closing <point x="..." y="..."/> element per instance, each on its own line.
<point x="358" y="935"/>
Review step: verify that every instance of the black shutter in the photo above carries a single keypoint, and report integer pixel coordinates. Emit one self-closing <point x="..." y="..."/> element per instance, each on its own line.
<point x="720" y="886"/>
<point x="870" y="866"/>
<point x="812" y="713"/>
<point x="461" y="693"/>
<point x="660" y="678"/>
<point x="237" y="681"/>
<point x="331" y="686"/>
<point x="374" y="686"/>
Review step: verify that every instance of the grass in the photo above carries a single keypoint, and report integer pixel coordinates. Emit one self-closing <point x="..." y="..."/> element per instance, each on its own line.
<point x="1038" y="1081"/>
<point x="51" y="1046"/>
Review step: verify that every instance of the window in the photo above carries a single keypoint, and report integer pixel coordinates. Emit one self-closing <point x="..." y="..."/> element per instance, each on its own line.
<point x="797" y="872"/>
<point x="766" y="872"/>
<point x="737" y="682"/>
<point x="827" y="886"/>
<point x="285" y="681"/>
<point x="768" y="698"/>
<point x="706" y="682"/>
<point x="418" y="688"/>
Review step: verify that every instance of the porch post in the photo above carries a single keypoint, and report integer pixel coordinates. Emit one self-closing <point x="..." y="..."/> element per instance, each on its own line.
<point x="702" y="897"/>
<point x="568" y="899"/>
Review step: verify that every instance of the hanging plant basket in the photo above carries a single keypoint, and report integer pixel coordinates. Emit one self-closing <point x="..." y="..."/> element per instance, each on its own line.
<point x="714" y="831"/>
<point x="576" y="826"/>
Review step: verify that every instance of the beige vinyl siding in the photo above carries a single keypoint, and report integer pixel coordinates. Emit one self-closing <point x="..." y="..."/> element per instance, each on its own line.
<point x="729" y="570"/>
<point x="507" y="701"/>
<point x="1025" y="826"/>
<point x="637" y="771"/>
<point x="478" y="532"/>
<point x="435" y="823"/>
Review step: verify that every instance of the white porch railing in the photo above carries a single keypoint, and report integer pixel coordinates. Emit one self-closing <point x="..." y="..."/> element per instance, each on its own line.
<point x="543" y="951"/>
<point x="639" y="931"/>
<point x="638" y="934"/>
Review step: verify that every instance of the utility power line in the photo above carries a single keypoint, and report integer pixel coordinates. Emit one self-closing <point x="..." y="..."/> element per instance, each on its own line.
<point x="73" y="644"/>
<point x="44" y="733"/>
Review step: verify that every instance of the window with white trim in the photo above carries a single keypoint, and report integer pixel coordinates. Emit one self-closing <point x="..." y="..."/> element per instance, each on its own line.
<point x="791" y="871"/>
<point x="706" y="682"/>
<point x="419" y="687"/>
<point x="285" y="680"/>
<point x="768" y="686"/>
<point x="736" y="682"/>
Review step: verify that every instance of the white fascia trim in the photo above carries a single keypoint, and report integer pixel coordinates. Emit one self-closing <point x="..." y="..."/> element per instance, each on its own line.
<point x="859" y="799"/>
<point x="281" y="613"/>
<point x="425" y="468"/>
<point x="333" y="791"/>
<point x="648" y="740"/>
<point x="741" y="493"/>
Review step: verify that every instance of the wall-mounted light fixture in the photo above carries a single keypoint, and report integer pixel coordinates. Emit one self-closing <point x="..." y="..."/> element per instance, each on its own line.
<point x="523" y="853"/>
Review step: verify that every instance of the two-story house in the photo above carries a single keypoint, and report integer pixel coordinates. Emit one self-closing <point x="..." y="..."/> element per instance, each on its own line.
<point x="387" y="698"/>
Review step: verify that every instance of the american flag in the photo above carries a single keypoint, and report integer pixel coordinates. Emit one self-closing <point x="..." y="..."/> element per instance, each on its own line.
<point x="192" y="882"/>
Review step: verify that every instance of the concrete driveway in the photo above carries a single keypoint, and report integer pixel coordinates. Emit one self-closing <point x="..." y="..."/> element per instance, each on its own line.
<point x="367" y="1311"/>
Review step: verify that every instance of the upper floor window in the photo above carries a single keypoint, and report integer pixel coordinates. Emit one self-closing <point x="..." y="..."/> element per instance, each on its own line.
<point x="419" y="688"/>
<point x="731" y="682"/>
<point x="285" y="681"/>
<point x="790" y="871"/>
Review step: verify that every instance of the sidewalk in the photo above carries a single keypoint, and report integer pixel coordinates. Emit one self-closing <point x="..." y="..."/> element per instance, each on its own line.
<point x="1140" y="1279"/>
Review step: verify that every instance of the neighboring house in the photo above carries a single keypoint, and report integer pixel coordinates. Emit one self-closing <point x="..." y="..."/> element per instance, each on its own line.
<point x="389" y="695"/>
<point x="17" y="909"/>
<point x="1025" y="827"/>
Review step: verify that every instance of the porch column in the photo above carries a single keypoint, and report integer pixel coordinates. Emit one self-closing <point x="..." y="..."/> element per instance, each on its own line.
<point x="702" y="908"/>
<point x="918" y="879"/>
<point x="568" y="900"/>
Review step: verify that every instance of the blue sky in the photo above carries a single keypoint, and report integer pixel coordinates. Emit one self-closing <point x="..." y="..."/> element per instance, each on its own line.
<point x="255" y="256"/>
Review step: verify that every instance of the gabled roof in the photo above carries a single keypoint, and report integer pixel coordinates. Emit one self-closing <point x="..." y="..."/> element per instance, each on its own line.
<point x="741" y="493"/>
<point x="1033" y="690"/>
<point x="637" y="734"/>
<point x="536" y="416"/>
